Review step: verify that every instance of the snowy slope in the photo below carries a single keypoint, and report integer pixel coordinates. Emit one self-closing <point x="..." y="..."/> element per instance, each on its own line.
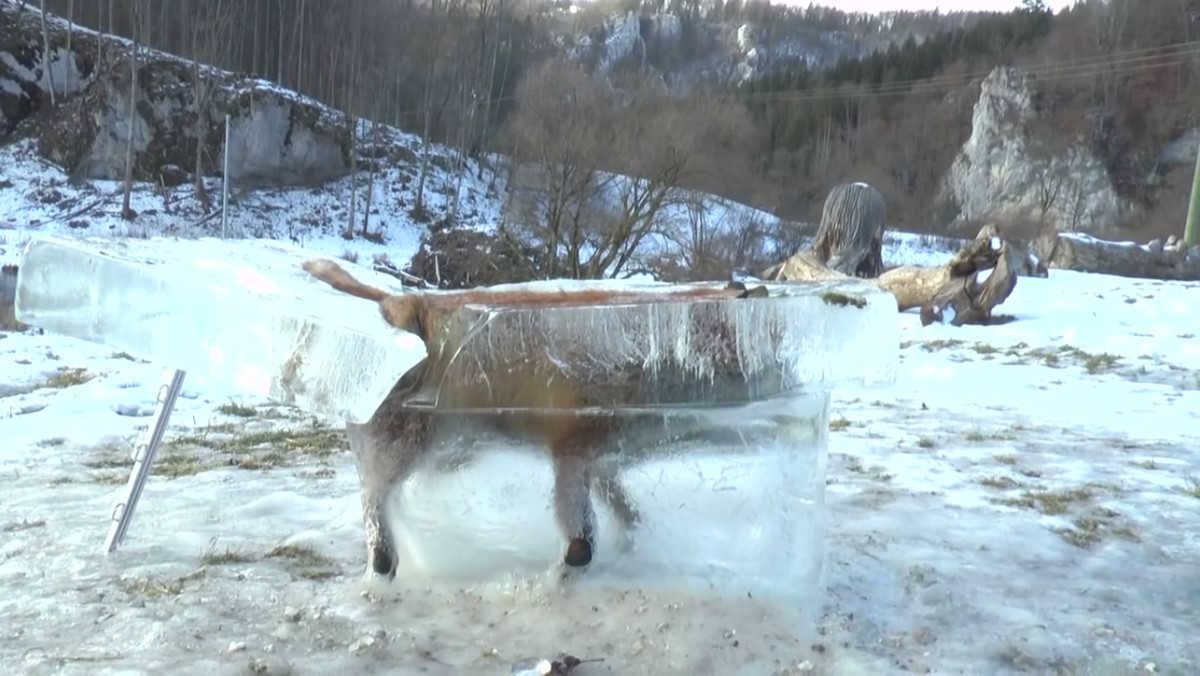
<point x="37" y="198"/>
<point x="1023" y="500"/>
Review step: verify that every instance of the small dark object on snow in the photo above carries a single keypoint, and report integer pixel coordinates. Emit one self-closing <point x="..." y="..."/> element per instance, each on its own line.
<point x="540" y="666"/>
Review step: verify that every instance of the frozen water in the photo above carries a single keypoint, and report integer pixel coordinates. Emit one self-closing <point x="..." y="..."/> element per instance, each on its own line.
<point x="239" y="314"/>
<point x="803" y="338"/>
<point x="730" y="498"/>
<point x="244" y="312"/>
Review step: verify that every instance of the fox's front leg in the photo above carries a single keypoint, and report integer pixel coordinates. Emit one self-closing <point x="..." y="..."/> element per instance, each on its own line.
<point x="385" y="449"/>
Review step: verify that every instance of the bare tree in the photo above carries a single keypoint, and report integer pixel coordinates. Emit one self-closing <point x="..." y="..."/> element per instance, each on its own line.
<point x="376" y="105"/>
<point x="353" y="28"/>
<point x="439" y="21"/>
<point x="47" y="68"/>
<point x="1110" y="20"/>
<point x="598" y="166"/>
<point x="127" y="211"/>
<point x="210" y="29"/>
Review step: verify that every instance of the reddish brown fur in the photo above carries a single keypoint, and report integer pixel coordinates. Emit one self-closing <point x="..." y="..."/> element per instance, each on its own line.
<point x="394" y="437"/>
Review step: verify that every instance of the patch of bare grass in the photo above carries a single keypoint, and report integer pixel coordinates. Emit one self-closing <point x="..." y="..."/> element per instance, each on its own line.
<point x="237" y="410"/>
<point x="998" y="481"/>
<point x="304" y="562"/>
<point x="67" y="376"/>
<point x="174" y="465"/>
<point x="263" y="449"/>
<point x="214" y="557"/>
<point x="941" y="344"/>
<point x="1089" y="530"/>
<point x="1191" y="486"/>
<point x="159" y="588"/>
<point x="1049" y="502"/>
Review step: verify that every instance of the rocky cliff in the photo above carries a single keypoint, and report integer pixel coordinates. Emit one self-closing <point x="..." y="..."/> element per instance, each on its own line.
<point x="277" y="137"/>
<point x="1008" y="169"/>
<point x="694" y="52"/>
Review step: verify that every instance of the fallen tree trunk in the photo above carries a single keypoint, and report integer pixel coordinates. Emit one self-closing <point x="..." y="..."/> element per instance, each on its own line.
<point x="980" y="277"/>
<point x="1074" y="251"/>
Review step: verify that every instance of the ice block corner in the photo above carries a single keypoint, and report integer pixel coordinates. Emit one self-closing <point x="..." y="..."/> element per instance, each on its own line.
<point x="236" y="314"/>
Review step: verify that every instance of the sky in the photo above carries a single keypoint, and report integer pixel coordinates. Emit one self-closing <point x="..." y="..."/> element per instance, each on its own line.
<point x="916" y="5"/>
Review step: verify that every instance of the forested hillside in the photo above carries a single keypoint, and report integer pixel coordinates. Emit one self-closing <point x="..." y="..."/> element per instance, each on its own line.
<point x="1116" y="77"/>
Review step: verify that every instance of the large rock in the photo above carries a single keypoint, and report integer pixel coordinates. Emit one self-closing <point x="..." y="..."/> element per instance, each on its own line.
<point x="277" y="137"/>
<point x="1005" y="171"/>
<point x="24" y="77"/>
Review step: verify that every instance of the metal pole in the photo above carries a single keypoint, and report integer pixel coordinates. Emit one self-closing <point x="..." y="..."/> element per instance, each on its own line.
<point x="143" y="458"/>
<point x="1191" y="233"/>
<point x="225" y="185"/>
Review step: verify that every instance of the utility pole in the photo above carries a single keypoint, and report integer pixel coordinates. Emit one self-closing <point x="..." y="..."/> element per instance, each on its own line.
<point x="1191" y="232"/>
<point x="225" y="185"/>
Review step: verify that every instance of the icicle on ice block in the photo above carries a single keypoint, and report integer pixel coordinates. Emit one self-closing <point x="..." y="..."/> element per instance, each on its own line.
<point x="238" y="315"/>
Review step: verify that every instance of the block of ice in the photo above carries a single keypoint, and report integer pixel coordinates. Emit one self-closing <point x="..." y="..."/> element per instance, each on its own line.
<point x="721" y="407"/>
<point x="729" y="498"/>
<point x="672" y="352"/>
<point x="243" y="313"/>
<point x="239" y="315"/>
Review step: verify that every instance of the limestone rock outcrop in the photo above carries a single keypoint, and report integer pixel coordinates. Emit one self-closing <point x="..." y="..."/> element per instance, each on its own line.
<point x="277" y="137"/>
<point x="1004" y="171"/>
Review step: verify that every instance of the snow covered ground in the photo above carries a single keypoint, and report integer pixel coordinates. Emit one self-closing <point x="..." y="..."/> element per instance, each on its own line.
<point x="1026" y="499"/>
<point x="36" y="198"/>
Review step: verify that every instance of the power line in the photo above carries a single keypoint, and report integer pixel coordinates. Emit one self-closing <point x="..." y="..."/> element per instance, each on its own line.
<point x="1117" y="63"/>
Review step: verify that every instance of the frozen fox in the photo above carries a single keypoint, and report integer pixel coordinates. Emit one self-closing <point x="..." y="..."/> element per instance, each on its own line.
<point x="389" y="443"/>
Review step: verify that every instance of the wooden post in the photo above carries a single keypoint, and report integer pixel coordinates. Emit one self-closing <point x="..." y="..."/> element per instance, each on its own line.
<point x="1191" y="233"/>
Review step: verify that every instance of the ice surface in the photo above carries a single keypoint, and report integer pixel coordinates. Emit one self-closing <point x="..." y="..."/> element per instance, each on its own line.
<point x="230" y="313"/>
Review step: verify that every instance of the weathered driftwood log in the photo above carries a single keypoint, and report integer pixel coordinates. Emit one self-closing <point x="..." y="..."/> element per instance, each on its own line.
<point x="850" y="238"/>
<point x="983" y="275"/>
<point x="1074" y="251"/>
<point x="980" y="277"/>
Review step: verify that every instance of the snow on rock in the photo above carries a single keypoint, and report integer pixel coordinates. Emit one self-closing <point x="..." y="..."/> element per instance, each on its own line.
<point x="277" y="137"/>
<point x="626" y="36"/>
<point x="1001" y="172"/>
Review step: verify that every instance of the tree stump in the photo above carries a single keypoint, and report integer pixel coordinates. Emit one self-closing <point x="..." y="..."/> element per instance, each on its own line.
<point x="850" y="238"/>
